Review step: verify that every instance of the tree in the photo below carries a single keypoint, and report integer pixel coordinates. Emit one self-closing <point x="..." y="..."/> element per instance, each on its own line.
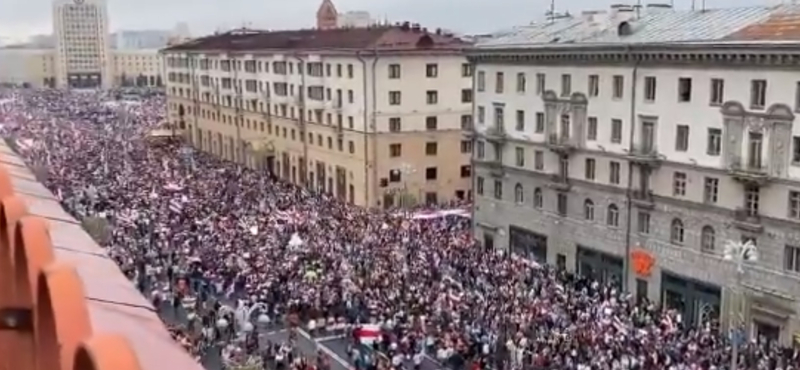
<point x="98" y="228"/>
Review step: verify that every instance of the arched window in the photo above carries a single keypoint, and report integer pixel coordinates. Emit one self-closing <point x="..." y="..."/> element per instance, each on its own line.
<point x="537" y="198"/>
<point x="588" y="209"/>
<point x="676" y="232"/>
<point x="613" y="215"/>
<point x="707" y="239"/>
<point x="519" y="194"/>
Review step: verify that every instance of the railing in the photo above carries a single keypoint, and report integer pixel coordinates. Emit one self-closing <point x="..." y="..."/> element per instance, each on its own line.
<point x="647" y="150"/>
<point x="496" y="131"/>
<point x="556" y="139"/>
<point x="747" y="216"/>
<point x="64" y="304"/>
<point x="737" y="164"/>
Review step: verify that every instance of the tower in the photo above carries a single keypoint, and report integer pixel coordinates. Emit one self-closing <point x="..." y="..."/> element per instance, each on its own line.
<point x="327" y="16"/>
<point x="82" y="43"/>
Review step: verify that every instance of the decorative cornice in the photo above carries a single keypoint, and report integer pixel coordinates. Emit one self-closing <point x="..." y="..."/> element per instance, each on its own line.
<point x="730" y="55"/>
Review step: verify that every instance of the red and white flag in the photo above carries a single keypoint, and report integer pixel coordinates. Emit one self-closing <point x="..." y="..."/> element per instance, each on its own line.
<point x="367" y="334"/>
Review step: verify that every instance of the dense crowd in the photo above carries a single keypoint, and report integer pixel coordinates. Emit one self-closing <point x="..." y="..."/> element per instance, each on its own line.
<point x="235" y="248"/>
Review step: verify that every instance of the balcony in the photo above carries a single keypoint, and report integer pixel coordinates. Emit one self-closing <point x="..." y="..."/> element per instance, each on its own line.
<point x="645" y="155"/>
<point x="561" y="144"/>
<point x="747" y="220"/>
<point x="496" y="134"/>
<point x="559" y="182"/>
<point x="82" y="296"/>
<point x="751" y="172"/>
<point x="643" y="199"/>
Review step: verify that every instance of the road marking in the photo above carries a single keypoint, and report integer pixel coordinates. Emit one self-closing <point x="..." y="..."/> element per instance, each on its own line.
<point x="279" y="331"/>
<point x="327" y="350"/>
<point x="331" y="337"/>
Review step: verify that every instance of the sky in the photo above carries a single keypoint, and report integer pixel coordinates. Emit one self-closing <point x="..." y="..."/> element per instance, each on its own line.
<point x="20" y="19"/>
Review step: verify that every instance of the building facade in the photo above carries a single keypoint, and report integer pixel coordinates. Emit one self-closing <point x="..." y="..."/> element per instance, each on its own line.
<point x="610" y="147"/>
<point x="140" y="68"/>
<point x="82" y="44"/>
<point x="371" y="115"/>
<point x="144" y="39"/>
<point x="28" y="67"/>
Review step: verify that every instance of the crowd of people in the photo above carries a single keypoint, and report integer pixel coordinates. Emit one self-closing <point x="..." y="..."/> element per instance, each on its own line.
<point x="234" y="249"/>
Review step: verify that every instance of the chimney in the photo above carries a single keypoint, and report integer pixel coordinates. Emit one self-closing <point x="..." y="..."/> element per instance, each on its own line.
<point x="439" y="31"/>
<point x="415" y="27"/>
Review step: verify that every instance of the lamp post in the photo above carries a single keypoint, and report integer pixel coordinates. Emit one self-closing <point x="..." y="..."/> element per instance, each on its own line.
<point x="739" y="253"/>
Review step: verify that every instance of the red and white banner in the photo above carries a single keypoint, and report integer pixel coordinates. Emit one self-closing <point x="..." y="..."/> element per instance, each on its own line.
<point x="367" y="334"/>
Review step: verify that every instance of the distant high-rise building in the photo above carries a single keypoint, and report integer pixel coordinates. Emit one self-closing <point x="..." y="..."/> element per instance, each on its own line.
<point x="353" y="19"/>
<point x="327" y="16"/>
<point x="82" y="43"/>
<point x="147" y="39"/>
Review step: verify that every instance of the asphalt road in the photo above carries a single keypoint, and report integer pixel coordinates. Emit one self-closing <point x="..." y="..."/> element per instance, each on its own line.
<point x="339" y="346"/>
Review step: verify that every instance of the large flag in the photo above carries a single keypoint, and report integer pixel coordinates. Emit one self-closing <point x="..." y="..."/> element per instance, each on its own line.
<point x="367" y="334"/>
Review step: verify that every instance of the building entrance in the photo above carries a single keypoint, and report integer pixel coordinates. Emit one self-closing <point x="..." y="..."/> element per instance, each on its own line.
<point x="528" y="244"/>
<point x="601" y="267"/>
<point x="698" y="302"/>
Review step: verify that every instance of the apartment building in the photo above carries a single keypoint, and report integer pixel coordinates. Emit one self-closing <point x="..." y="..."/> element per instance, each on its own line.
<point x="373" y="116"/>
<point x="632" y="146"/>
<point x="82" y="44"/>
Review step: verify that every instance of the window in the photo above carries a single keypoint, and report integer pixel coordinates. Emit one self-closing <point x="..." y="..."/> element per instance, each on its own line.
<point x="613" y="172"/>
<point x="481" y="115"/>
<point x="752" y="198"/>
<point x="479" y="185"/>
<point x="643" y="222"/>
<point x="791" y="257"/>
<point x="431" y="173"/>
<point x="499" y="114"/>
<point x="498" y="189"/>
<point x="481" y="150"/>
<point x="519" y="156"/>
<point x="676" y="232"/>
<point x="710" y="190"/>
<point x="566" y="85"/>
<point x="755" y="149"/>
<point x="679" y="184"/>
<point x="618" y="87"/>
<point x="590" y="167"/>
<point x="466" y="146"/>
<point x="561" y="204"/>
<point x="466" y="122"/>
<point x="717" y="91"/>
<point x="684" y="89"/>
<point x="395" y="175"/>
<point x="539" y="122"/>
<point x="431" y="70"/>
<point x="519" y="194"/>
<point x="499" y="79"/>
<point x="794" y="204"/>
<point x="707" y="239"/>
<point x="432" y="97"/>
<point x="588" y="210"/>
<point x="758" y="94"/>
<point x="682" y="138"/>
<point x="612" y="219"/>
<point x="714" y="146"/>
<point x="650" y="89"/>
<point x="594" y="85"/>
<point x="616" y="131"/>
<point x="349" y="71"/>
<point x="466" y="70"/>
<point x="431" y="123"/>
<point x="466" y="171"/>
<point x="538" y="160"/>
<point x="521" y="82"/>
<point x="395" y="150"/>
<point x="591" y="130"/>
<point x="520" y="120"/>
<point x="394" y="71"/>
<point x="394" y="98"/>
<point x="431" y="148"/>
<point x="481" y="81"/>
<point x="540" y="83"/>
<point x="537" y="198"/>
<point x="797" y="97"/>
<point x="466" y="95"/>
<point x="395" y="124"/>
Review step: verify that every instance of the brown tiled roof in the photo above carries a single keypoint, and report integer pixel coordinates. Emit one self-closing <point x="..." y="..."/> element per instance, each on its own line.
<point x="75" y="309"/>
<point x="393" y="38"/>
<point x="784" y="26"/>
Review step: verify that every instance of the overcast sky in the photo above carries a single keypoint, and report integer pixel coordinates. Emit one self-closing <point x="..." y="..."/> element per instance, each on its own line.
<point x="22" y="18"/>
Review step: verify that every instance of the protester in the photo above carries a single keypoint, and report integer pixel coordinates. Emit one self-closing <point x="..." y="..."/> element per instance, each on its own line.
<point x="231" y="248"/>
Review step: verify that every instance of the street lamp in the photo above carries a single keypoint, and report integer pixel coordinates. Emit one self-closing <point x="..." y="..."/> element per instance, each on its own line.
<point x="739" y="253"/>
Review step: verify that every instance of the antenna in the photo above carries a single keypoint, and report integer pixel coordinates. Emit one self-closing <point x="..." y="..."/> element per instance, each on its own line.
<point x="552" y="10"/>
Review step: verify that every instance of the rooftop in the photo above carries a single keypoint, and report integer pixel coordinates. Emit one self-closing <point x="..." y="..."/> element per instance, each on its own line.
<point x="623" y="25"/>
<point x="397" y="38"/>
<point x="64" y="304"/>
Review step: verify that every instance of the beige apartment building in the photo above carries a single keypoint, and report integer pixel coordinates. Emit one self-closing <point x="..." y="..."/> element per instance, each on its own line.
<point x="137" y="67"/>
<point x="30" y="67"/>
<point x="373" y="116"/>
